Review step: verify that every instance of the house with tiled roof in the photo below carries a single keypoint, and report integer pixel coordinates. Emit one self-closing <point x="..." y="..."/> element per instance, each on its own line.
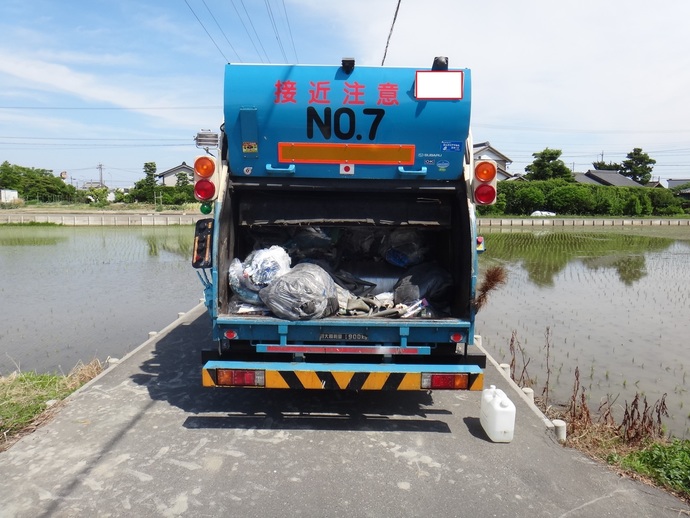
<point x="169" y="177"/>
<point x="683" y="193"/>
<point x="673" y="183"/>
<point x="583" y="178"/>
<point x="605" y="177"/>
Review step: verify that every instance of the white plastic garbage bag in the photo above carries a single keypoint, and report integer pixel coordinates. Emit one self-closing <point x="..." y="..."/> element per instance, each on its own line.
<point x="306" y="292"/>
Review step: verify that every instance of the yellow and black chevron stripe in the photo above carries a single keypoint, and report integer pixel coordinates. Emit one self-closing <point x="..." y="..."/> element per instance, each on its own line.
<point x="343" y="380"/>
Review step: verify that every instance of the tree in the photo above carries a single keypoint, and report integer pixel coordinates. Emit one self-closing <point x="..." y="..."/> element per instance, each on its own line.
<point x="547" y="165"/>
<point x="99" y="195"/>
<point x="34" y="184"/>
<point x="603" y="166"/>
<point x="182" y="179"/>
<point x="664" y="202"/>
<point x="10" y="177"/>
<point x="638" y="166"/>
<point x="144" y="188"/>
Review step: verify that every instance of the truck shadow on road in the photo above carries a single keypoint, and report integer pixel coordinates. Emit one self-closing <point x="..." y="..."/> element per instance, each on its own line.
<point x="172" y="373"/>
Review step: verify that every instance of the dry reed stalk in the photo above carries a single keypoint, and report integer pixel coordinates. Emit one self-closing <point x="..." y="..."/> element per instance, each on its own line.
<point x="515" y="347"/>
<point x="494" y="277"/>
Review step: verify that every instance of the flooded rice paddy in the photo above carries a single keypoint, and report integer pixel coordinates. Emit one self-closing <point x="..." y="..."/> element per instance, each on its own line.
<point x="616" y="303"/>
<point x="78" y="293"/>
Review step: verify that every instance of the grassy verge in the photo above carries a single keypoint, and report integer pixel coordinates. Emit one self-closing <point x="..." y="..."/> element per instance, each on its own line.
<point x="635" y="445"/>
<point x="29" y="399"/>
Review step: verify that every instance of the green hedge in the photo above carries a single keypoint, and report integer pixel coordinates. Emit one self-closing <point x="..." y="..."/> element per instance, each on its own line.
<point x="565" y="198"/>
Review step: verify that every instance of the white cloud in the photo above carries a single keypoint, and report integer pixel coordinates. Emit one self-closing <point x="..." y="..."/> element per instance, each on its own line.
<point x="584" y="77"/>
<point x="142" y="96"/>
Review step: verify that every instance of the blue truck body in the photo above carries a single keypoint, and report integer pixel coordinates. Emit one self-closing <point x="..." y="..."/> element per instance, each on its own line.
<point x="353" y="153"/>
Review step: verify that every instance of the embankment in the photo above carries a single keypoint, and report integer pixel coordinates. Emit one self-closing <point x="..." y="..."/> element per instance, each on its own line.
<point x="106" y="218"/>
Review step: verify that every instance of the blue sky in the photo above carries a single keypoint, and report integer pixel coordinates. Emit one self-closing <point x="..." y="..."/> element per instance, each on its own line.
<point x="122" y="83"/>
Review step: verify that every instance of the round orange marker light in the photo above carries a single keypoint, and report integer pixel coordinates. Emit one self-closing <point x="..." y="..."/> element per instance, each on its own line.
<point x="204" y="166"/>
<point x="485" y="171"/>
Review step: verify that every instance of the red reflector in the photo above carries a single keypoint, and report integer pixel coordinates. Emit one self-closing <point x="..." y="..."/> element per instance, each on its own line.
<point x="236" y="377"/>
<point x="449" y="381"/>
<point x="230" y="334"/>
<point x="204" y="190"/>
<point x="456" y="337"/>
<point x="485" y="194"/>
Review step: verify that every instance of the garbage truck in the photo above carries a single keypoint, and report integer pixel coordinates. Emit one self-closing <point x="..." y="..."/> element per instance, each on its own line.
<point x="339" y="245"/>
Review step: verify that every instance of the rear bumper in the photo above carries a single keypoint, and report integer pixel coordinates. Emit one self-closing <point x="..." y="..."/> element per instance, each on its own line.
<point x="350" y="376"/>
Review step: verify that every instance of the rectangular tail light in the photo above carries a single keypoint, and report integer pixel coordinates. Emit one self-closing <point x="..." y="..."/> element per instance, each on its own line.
<point x="241" y="378"/>
<point x="433" y="381"/>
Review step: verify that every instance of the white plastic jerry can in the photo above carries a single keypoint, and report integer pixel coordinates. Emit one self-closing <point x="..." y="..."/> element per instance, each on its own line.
<point x="497" y="415"/>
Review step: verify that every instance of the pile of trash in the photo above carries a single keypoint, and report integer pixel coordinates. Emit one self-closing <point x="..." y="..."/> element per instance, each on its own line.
<point x="265" y="282"/>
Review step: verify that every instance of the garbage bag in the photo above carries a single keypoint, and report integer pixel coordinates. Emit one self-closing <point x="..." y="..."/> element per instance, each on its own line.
<point x="257" y="271"/>
<point x="239" y="307"/>
<point x="262" y="266"/>
<point x="312" y="243"/>
<point x="239" y="283"/>
<point x="306" y="292"/>
<point x="425" y="281"/>
<point x="405" y="247"/>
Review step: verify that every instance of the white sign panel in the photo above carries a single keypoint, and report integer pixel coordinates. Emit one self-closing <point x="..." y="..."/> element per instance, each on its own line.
<point x="432" y="84"/>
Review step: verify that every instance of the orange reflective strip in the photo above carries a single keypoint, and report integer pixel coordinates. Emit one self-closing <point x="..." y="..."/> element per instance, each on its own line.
<point x="378" y="154"/>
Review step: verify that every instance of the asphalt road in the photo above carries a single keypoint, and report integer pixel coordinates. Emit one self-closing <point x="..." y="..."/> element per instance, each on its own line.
<point x="145" y="439"/>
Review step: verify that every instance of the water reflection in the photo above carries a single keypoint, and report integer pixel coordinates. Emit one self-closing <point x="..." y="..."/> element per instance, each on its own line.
<point x="21" y="239"/>
<point x="544" y="255"/>
<point x="72" y="294"/>
<point x="180" y="245"/>
<point x="629" y="268"/>
<point x="617" y="306"/>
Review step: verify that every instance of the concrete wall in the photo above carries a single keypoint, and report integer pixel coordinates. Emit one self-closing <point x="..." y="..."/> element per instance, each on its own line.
<point x="114" y="219"/>
<point x="580" y="222"/>
<point x="101" y="219"/>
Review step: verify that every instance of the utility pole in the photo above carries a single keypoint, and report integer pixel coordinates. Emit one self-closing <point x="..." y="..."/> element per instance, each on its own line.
<point x="100" y="175"/>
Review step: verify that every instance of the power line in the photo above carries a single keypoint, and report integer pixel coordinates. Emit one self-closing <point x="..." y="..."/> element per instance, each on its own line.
<point x="206" y="31"/>
<point x="110" y="107"/>
<point x="104" y="139"/>
<point x="221" y="31"/>
<point x="239" y="17"/>
<point x="28" y="145"/>
<point x="254" y="29"/>
<point x="275" y="29"/>
<point x="395" y="17"/>
<point x="575" y="130"/>
<point x="292" y="40"/>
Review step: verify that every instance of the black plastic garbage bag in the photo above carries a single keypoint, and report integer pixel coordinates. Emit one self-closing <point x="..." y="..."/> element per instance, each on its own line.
<point x="425" y="281"/>
<point x="306" y="292"/>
